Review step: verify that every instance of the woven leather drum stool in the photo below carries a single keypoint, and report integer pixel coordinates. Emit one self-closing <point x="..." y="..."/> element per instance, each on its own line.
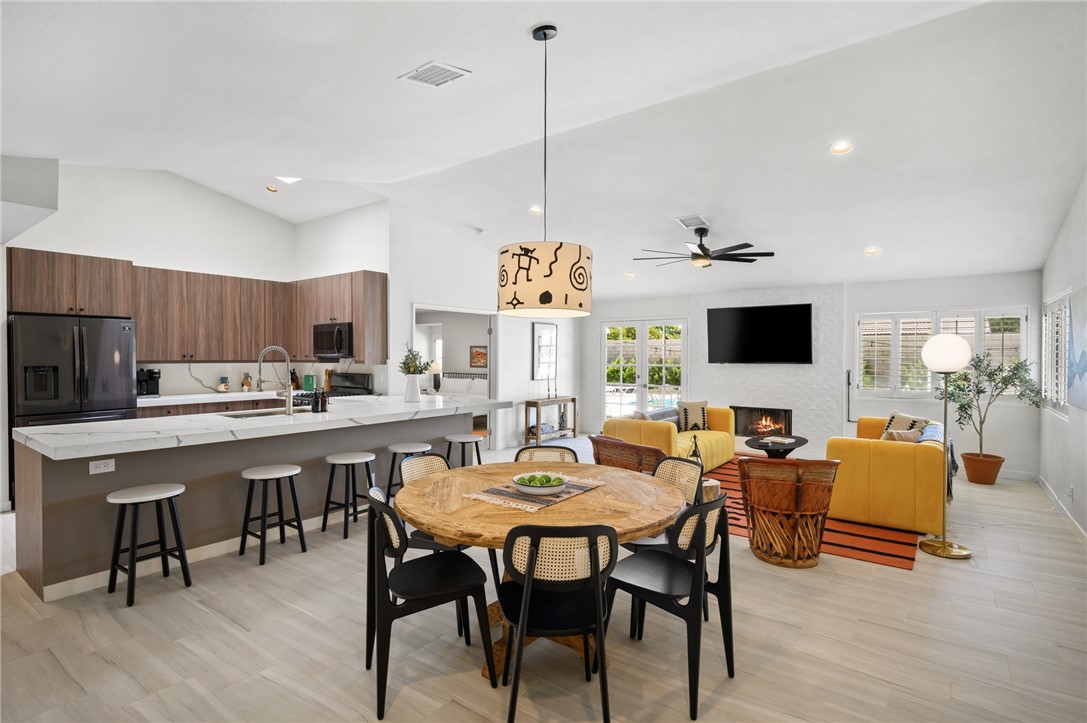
<point x="786" y="501"/>
<point x="351" y="495"/>
<point x="463" y="440"/>
<point x="408" y="449"/>
<point x="264" y="475"/>
<point x="133" y="497"/>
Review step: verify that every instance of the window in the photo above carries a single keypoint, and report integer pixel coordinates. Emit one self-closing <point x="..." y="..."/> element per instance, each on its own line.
<point x="889" y="345"/>
<point x="1055" y="352"/>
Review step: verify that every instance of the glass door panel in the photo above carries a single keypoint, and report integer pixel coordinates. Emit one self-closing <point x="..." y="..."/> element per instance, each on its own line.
<point x="643" y="366"/>
<point x="620" y="370"/>
<point x="664" y="360"/>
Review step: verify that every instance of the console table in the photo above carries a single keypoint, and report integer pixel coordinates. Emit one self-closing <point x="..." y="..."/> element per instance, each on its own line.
<point x="538" y="405"/>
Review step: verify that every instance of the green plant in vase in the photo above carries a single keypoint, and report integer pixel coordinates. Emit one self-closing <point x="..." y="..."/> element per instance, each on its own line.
<point x="412" y="366"/>
<point x="973" y="392"/>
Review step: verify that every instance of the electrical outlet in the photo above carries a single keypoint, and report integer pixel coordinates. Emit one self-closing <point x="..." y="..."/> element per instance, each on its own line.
<point x="98" y="466"/>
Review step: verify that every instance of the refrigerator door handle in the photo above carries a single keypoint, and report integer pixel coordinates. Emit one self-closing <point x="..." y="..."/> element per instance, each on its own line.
<point x="77" y="363"/>
<point x="83" y="362"/>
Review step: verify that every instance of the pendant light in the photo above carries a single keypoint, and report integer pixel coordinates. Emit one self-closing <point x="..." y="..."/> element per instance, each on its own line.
<point x="545" y="279"/>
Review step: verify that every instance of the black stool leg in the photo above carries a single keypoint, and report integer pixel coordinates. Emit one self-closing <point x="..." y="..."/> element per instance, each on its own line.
<point x="392" y="474"/>
<point x="449" y="452"/>
<point x="297" y="514"/>
<point x="355" y="491"/>
<point x="479" y="459"/>
<point x="370" y="481"/>
<point x="245" y="517"/>
<point x="462" y="448"/>
<point x="347" y="497"/>
<point x="263" y="517"/>
<point x="328" y="496"/>
<point x="134" y="538"/>
<point x="180" y="542"/>
<point x="162" y="539"/>
<point x="116" y="557"/>
<point x="279" y="502"/>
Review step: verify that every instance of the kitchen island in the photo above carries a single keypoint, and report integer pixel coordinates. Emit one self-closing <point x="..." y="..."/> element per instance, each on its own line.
<point x="64" y="526"/>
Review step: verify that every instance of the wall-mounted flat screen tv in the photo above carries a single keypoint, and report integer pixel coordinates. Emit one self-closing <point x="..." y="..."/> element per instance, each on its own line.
<point x="760" y="334"/>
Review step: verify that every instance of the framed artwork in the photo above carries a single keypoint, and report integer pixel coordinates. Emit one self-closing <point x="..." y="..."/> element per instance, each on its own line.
<point x="545" y="342"/>
<point x="477" y="357"/>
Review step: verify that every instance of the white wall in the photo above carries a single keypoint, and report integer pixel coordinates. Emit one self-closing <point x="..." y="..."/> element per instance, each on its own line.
<point x="1064" y="434"/>
<point x="813" y="392"/>
<point x="158" y="219"/>
<point x="1012" y="427"/>
<point x="352" y="240"/>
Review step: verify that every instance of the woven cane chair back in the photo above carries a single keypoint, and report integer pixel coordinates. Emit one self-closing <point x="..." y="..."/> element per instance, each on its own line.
<point x="786" y="501"/>
<point x="548" y="453"/>
<point x="393" y="527"/>
<point x="420" y="465"/>
<point x="559" y="558"/>
<point x="683" y="474"/>
<point x="614" y="452"/>
<point x="684" y="539"/>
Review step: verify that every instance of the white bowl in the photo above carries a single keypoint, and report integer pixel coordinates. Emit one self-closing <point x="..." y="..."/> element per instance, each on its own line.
<point x="533" y="490"/>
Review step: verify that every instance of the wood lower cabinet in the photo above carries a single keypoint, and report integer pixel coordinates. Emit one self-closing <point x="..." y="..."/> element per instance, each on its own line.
<point x="47" y="282"/>
<point x="173" y="410"/>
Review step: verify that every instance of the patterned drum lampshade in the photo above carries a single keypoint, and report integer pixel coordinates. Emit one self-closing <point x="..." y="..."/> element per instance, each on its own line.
<point x="545" y="279"/>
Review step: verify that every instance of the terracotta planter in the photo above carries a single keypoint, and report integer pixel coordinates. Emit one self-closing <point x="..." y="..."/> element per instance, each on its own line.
<point x="982" y="469"/>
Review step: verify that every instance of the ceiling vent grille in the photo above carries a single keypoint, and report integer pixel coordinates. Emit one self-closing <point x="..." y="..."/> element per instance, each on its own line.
<point x="435" y="74"/>
<point x="693" y="221"/>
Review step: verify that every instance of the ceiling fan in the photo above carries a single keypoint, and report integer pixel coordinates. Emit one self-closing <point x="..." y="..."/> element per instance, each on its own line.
<point x="700" y="254"/>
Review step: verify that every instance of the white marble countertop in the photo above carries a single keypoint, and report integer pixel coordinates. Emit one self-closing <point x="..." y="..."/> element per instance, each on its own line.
<point x="94" y="439"/>
<point x="202" y="398"/>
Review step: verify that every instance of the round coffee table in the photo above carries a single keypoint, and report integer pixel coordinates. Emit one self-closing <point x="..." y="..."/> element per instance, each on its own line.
<point x="775" y="450"/>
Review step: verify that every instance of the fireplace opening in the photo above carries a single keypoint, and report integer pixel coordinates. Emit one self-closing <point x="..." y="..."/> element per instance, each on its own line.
<point x="754" y="421"/>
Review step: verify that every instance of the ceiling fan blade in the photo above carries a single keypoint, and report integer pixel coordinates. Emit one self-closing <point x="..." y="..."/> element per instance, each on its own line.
<point x="694" y="249"/>
<point x="684" y="257"/>
<point x="737" y="260"/>
<point x="749" y="254"/>
<point x="729" y="249"/>
<point x="669" y="263"/>
<point x="670" y="253"/>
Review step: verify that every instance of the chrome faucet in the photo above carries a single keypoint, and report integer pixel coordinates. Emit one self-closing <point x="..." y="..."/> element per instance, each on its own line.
<point x="286" y="384"/>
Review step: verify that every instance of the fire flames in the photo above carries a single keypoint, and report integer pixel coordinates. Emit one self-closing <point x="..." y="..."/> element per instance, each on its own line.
<point x="767" y="425"/>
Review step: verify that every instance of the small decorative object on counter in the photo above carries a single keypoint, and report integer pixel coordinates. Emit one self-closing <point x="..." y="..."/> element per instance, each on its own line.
<point x="412" y="366"/>
<point x="309" y="382"/>
<point x="295" y="384"/>
<point x="315" y="403"/>
<point x="247" y="382"/>
<point x="328" y="380"/>
<point x="224" y="385"/>
<point x="324" y="401"/>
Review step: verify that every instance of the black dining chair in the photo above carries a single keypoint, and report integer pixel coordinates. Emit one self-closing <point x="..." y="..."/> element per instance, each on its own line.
<point x="413" y="586"/>
<point x="556" y="588"/>
<point x="664" y="578"/>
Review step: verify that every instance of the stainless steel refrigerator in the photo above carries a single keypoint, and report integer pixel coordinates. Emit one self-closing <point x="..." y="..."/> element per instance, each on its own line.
<point x="67" y="369"/>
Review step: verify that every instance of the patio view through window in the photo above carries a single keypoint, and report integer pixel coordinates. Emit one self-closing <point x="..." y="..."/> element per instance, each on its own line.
<point x="643" y="367"/>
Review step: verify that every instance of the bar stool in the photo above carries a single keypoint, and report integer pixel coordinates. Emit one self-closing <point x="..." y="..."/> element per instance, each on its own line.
<point x="134" y="497"/>
<point x="408" y="449"/>
<point x="264" y="475"/>
<point x="463" y="440"/>
<point x="347" y="460"/>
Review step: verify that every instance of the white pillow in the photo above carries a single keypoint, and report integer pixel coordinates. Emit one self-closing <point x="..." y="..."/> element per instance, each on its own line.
<point x="454" y="386"/>
<point x="478" y="387"/>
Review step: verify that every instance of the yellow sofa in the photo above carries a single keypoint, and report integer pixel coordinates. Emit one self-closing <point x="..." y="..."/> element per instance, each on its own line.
<point x="716" y="445"/>
<point x="892" y="484"/>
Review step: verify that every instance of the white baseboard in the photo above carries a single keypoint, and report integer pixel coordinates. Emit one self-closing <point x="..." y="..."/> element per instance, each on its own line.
<point x="96" y="580"/>
<point x="1015" y="474"/>
<point x="1058" y="504"/>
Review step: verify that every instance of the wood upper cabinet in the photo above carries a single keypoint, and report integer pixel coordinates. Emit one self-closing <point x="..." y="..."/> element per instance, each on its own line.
<point x="246" y="318"/>
<point x="178" y="315"/>
<point x="370" y="313"/>
<point x="56" y="283"/>
<point x="202" y="320"/>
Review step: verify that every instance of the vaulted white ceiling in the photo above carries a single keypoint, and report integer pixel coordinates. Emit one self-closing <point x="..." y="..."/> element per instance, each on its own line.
<point x="968" y="121"/>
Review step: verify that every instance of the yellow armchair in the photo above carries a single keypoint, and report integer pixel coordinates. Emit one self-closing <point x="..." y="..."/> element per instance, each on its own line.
<point x="892" y="484"/>
<point x="716" y="445"/>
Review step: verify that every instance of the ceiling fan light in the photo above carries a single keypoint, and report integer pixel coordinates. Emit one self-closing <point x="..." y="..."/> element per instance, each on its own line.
<point x="700" y="261"/>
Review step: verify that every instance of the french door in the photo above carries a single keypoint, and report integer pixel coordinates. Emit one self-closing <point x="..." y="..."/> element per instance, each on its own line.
<point x="643" y="365"/>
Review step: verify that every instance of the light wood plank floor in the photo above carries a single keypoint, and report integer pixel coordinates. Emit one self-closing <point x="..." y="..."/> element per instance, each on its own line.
<point x="1002" y="636"/>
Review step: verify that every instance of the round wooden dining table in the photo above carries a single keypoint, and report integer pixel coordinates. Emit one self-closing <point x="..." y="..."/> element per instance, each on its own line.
<point x="635" y="504"/>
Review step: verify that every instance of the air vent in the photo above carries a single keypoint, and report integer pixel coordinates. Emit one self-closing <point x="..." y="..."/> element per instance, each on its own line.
<point x="435" y="74"/>
<point x="693" y="221"/>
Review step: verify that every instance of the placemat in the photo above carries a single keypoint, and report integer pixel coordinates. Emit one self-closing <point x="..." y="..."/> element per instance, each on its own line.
<point x="507" y="495"/>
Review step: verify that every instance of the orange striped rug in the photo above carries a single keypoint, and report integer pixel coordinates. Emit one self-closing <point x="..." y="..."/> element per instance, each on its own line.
<point x="882" y="545"/>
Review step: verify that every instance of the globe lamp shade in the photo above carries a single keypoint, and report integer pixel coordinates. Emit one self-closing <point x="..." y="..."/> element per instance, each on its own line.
<point x="946" y="353"/>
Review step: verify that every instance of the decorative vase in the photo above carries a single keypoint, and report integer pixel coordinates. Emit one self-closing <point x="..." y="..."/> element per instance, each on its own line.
<point x="411" y="390"/>
<point x="982" y="469"/>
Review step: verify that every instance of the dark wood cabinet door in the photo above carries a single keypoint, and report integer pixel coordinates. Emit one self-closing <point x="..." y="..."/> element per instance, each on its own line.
<point x="201" y="322"/>
<point x="159" y="301"/>
<point x="41" y="281"/>
<point x="333" y="298"/>
<point x="369" y="311"/>
<point x="103" y="287"/>
<point x="243" y="315"/>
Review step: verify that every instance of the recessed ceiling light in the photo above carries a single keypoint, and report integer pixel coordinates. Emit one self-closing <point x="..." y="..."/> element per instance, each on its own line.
<point x="871" y="251"/>
<point x="840" y="148"/>
<point x="271" y="189"/>
<point x="628" y="274"/>
<point x="287" y="180"/>
<point x="535" y="210"/>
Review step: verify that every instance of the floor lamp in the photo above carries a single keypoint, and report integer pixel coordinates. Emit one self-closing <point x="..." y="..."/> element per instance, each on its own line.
<point x="945" y="354"/>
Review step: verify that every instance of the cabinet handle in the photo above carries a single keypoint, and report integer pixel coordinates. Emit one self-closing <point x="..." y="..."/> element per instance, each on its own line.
<point x="71" y="309"/>
<point x="81" y="309"/>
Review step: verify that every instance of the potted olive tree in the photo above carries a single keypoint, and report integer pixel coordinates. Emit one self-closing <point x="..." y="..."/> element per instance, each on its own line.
<point x="973" y="391"/>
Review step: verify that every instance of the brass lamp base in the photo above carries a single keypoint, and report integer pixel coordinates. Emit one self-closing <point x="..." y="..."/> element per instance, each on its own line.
<point x="943" y="548"/>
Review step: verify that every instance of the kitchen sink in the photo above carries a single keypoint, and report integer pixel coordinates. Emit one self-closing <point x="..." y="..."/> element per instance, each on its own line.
<point x="264" y="413"/>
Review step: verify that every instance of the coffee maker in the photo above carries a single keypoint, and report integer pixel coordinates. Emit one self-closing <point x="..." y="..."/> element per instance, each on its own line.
<point x="147" y="382"/>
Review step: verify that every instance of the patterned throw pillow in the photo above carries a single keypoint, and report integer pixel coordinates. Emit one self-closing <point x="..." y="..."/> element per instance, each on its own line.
<point x="933" y="432"/>
<point x="692" y="416"/>
<point x="900" y="421"/>
<point x="902" y="435"/>
<point x="667" y="414"/>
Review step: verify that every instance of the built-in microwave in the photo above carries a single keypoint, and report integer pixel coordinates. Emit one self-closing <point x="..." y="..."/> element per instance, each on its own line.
<point x="332" y="341"/>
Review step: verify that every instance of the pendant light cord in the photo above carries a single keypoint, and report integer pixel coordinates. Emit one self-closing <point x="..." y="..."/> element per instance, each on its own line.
<point x="545" y="145"/>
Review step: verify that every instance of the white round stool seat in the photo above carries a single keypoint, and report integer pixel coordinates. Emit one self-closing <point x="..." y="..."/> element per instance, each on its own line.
<point x="271" y="471"/>
<point x="144" y="493"/>
<point x="463" y="438"/>
<point x="350" y="458"/>
<point x="409" y="448"/>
